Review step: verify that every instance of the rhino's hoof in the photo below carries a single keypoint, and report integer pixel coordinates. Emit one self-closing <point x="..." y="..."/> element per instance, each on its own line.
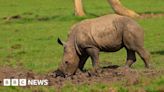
<point x="91" y="73"/>
<point x="124" y="67"/>
<point x="150" y="67"/>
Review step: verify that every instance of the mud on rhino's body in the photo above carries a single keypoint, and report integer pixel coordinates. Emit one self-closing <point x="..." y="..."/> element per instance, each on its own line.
<point x="108" y="33"/>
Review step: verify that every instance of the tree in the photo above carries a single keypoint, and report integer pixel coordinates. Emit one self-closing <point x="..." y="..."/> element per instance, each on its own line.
<point x="78" y="6"/>
<point x="121" y="10"/>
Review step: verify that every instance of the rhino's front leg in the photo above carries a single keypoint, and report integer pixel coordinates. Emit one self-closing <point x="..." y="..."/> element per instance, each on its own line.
<point x="94" y="54"/>
<point x="83" y="59"/>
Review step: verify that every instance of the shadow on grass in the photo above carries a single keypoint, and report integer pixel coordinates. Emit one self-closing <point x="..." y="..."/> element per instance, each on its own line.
<point x="111" y="67"/>
<point x="92" y="14"/>
<point x="103" y="68"/>
<point x="158" y="52"/>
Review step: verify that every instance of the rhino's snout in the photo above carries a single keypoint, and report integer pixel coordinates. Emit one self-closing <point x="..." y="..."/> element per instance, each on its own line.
<point x="59" y="73"/>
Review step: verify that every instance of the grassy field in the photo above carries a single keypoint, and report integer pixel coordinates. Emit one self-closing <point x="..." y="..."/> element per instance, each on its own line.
<point x="30" y="41"/>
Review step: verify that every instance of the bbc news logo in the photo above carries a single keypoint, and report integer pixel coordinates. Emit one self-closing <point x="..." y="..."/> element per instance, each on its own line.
<point x="24" y="82"/>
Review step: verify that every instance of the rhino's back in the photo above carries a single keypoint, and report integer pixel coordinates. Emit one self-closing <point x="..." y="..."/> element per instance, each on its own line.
<point x="102" y="32"/>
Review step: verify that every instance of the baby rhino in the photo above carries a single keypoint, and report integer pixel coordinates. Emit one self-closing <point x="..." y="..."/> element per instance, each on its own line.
<point x="108" y="33"/>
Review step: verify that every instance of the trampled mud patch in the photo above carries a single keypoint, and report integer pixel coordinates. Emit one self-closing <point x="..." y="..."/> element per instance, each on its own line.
<point x="106" y="75"/>
<point x="16" y="73"/>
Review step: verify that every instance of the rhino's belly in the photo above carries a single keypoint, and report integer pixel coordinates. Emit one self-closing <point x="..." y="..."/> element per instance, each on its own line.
<point x="111" y="48"/>
<point x="109" y="42"/>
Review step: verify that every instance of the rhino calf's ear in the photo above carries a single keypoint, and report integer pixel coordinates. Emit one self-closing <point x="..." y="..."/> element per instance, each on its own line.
<point x="60" y="42"/>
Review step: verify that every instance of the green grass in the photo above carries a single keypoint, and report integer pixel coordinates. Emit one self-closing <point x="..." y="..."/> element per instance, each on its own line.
<point x="30" y="42"/>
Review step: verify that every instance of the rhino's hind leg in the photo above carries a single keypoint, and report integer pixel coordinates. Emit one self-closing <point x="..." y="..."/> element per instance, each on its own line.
<point x="131" y="57"/>
<point x="145" y="56"/>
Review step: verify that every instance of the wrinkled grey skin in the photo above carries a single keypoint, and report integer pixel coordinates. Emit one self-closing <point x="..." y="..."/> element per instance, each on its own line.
<point x="108" y="33"/>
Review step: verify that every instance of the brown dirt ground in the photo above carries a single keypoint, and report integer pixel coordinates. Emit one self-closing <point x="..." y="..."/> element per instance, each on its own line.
<point x="107" y="75"/>
<point x="11" y="73"/>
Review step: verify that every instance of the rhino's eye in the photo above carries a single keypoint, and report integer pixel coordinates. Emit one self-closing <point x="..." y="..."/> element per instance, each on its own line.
<point x="66" y="62"/>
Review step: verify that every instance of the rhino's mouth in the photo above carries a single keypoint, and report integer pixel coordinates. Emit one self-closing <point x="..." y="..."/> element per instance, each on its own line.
<point x="62" y="74"/>
<point x="59" y="73"/>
